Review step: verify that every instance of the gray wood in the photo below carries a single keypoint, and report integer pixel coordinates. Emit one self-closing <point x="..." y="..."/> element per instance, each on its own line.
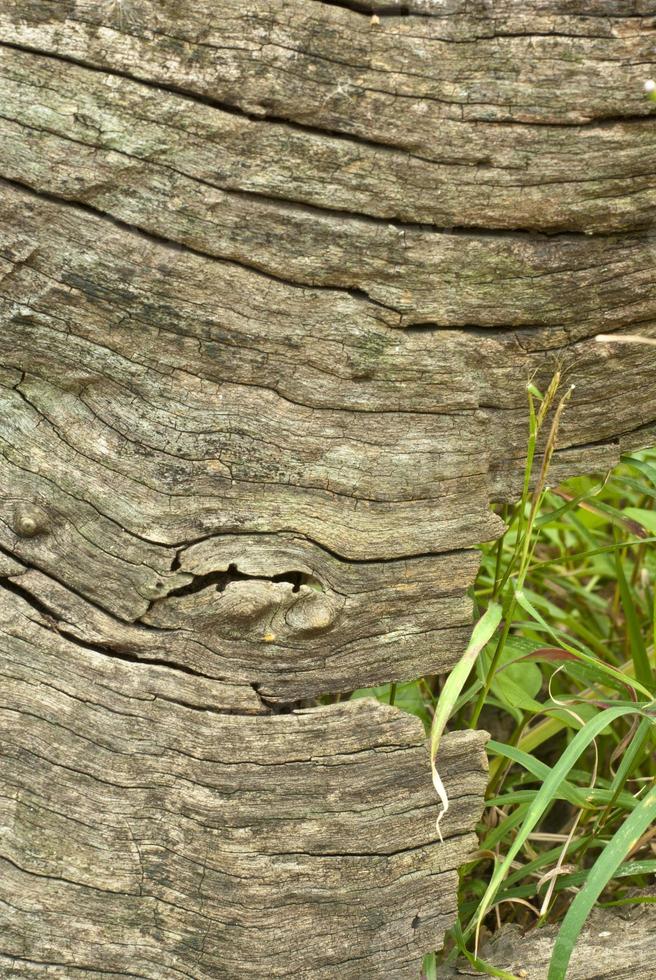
<point x="273" y="279"/>
<point x="151" y="830"/>
<point x="485" y="280"/>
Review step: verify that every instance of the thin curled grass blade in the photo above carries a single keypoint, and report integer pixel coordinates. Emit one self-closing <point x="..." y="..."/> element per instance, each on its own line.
<point x="528" y="606"/>
<point x="482" y="633"/>
<point x="543" y="799"/>
<point x="599" y="876"/>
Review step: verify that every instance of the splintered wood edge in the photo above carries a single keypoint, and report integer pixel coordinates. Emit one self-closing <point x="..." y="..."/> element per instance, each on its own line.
<point x="139" y="799"/>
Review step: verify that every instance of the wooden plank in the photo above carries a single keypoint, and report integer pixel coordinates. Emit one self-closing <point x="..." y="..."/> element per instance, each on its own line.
<point x="330" y="67"/>
<point x="446" y="278"/>
<point x="273" y="279"/>
<point x="218" y="162"/>
<point x="118" y="805"/>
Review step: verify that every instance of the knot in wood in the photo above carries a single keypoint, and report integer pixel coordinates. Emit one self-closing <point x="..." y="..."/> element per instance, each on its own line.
<point x="29" y="520"/>
<point x="312" y="613"/>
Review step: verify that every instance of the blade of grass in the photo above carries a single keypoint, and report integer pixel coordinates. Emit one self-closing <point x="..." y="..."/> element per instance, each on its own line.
<point x="578" y="797"/>
<point x="482" y="633"/>
<point x="631" y="869"/>
<point x="553" y="515"/>
<point x="639" y="656"/>
<point x="578" y="556"/>
<point x="612" y="514"/>
<point x="542" y="800"/>
<point x="478" y="964"/>
<point x="642" y="466"/>
<point x="491" y="971"/>
<point x="599" y="876"/>
<point x="525" y="603"/>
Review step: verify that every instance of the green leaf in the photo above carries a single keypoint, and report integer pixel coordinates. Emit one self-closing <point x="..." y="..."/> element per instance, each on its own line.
<point x="481" y="635"/>
<point x="642" y="466"/>
<point x="647" y="518"/>
<point x="408" y="698"/>
<point x="524" y="602"/>
<point x="543" y="800"/>
<point x="509" y="691"/>
<point x="638" y="649"/>
<point x="516" y="683"/>
<point x="600" y="874"/>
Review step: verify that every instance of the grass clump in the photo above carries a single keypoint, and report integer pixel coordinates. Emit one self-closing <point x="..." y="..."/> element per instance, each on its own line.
<point x="561" y="670"/>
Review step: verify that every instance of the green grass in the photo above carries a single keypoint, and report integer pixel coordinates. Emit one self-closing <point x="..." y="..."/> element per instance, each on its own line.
<point x="561" y="669"/>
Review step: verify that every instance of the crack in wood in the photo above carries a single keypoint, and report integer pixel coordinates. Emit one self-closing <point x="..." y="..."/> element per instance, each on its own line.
<point x="267" y="325"/>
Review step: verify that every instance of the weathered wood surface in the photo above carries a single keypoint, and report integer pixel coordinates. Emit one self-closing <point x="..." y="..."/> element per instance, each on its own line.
<point x="273" y="278"/>
<point x="181" y="841"/>
<point x="615" y="944"/>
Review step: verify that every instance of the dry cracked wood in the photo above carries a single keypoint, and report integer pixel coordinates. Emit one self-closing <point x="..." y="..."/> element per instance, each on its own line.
<point x="273" y="278"/>
<point x="189" y="843"/>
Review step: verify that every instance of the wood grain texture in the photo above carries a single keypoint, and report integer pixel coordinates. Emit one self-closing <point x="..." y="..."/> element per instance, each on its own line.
<point x="512" y="176"/>
<point x="273" y="279"/>
<point x="191" y="843"/>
